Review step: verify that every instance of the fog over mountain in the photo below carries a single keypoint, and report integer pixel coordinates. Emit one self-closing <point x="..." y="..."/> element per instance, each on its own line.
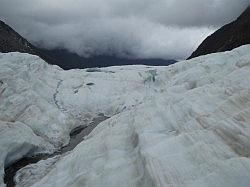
<point x="169" y="29"/>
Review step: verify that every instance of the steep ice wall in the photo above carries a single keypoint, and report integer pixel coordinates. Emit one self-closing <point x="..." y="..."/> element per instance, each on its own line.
<point x="187" y="124"/>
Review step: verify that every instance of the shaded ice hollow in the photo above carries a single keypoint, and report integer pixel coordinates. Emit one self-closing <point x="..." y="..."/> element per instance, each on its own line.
<point x="187" y="124"/>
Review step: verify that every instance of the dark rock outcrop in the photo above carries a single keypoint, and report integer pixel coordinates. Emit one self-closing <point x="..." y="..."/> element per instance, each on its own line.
<point x="230" y="36"/>
<point x="11" y="41"/>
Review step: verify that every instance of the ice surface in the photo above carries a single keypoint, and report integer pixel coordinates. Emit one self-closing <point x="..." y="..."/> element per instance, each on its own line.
<point x="187" y="124"/>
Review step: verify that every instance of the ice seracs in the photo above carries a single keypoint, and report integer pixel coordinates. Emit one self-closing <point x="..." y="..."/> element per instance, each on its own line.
<point x="182" y="125"/>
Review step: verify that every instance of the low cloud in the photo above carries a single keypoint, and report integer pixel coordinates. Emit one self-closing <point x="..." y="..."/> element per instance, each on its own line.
<point x="169" y="29"/>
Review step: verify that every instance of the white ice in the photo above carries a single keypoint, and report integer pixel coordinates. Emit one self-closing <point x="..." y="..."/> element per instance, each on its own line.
<point x="187" y="124"/>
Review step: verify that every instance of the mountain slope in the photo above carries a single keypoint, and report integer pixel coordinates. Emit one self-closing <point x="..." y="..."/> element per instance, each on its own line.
<point x="182" y="125"/>
<point x="228" y="37"/>
<point x="11" y="41"/>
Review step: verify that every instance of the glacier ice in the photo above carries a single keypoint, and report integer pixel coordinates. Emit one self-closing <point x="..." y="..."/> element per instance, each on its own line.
<point x="187" y="124"/>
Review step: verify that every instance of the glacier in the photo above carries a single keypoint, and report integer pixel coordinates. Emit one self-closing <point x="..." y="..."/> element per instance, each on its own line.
<point x="186" y="124"/>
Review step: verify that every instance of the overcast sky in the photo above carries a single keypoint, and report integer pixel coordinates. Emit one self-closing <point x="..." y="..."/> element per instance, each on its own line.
<point x="169" y="29"/>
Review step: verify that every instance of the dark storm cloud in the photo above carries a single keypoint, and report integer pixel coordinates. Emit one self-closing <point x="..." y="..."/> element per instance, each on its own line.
<point x="134" y="28"/>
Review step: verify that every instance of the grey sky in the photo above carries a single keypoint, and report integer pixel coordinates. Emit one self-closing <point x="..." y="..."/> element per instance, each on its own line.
<point x="134" y="28"/>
